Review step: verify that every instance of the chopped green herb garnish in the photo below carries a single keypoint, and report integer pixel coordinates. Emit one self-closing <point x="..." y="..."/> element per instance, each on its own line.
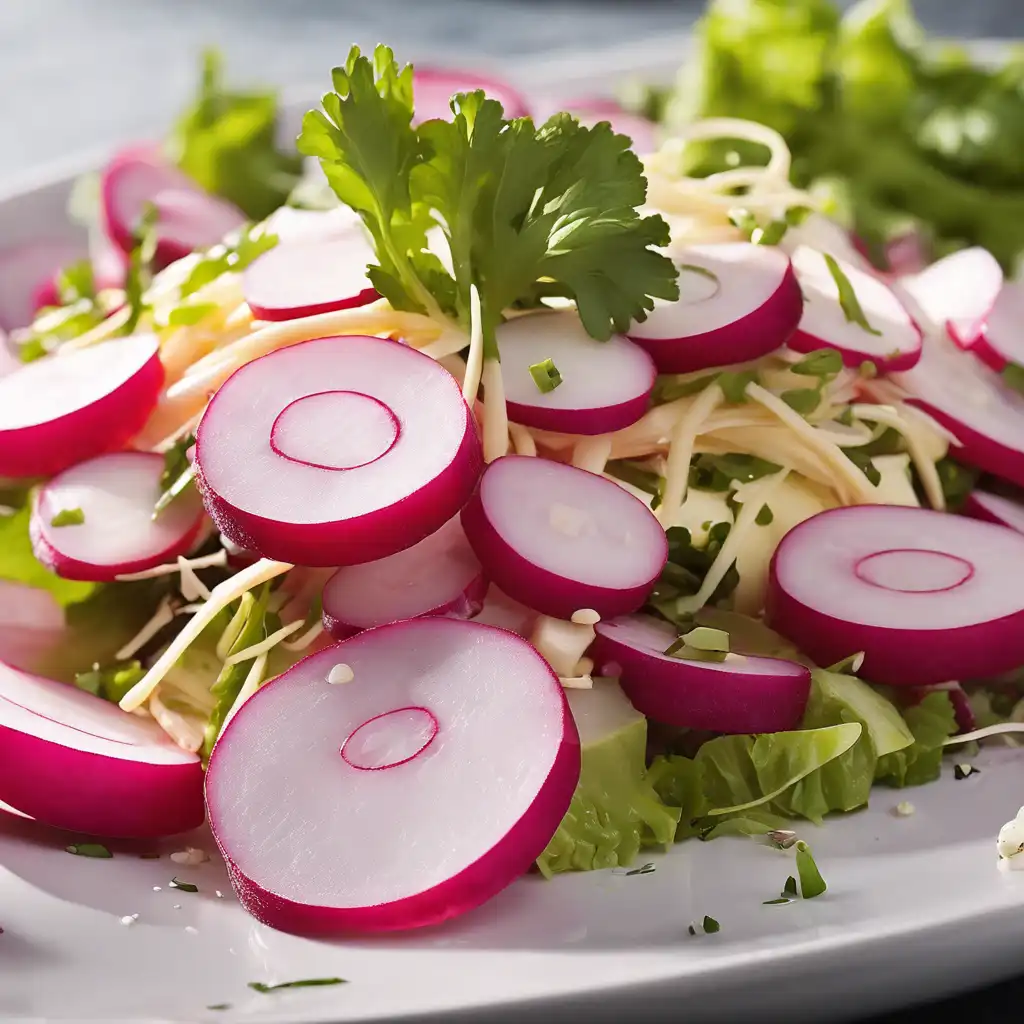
<point x="693" y="268"/>
<point x="190" y="315"/>
<point x="1013" y="376"/>
<point x="225" y="259"/>
<point x="179" y="487"/>
<point x="848" y="297"/>
<point x="717" y="472"/>
<point x="178" y="475"/>
<point x="644" y="869"/>
<point x="776" y="902"/>
<point x="790" y="889"/>
<point x="848" y="666"/>
<point x="862" y="460"/>
<point x="704" y="638"/>
<point x="824" y="362"/>
<point x="177" y="883"/>
<point x="964" y="771"/>
<point x="811" y="882"/>
<point x="545" y="375"/>
<point x="68" y="517"/>
<point x="110" y="683"/>
<point x="744" y="220"/>
<point x="139" y="274"/>
<point x="734" y="384"/>
<point x="691" y="930"/>
<point x="97" y="850"/>
<point x="846" y="416"/>
<point x="711" y="926"/>
<point x="631" y="473"/>
<point x="219" y="1006"/>
<point x="259" y="986"/>
<point x="957" y="481"/>
<point x="765" y="517"/>
<point x="868" y="370"/>
<point x="668" y="388"/>
<point x="802" y="400"/>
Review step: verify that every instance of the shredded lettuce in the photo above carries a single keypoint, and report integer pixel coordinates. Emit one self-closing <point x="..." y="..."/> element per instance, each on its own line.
<point x="931" y="722"/>
<point x="615" y="810"/>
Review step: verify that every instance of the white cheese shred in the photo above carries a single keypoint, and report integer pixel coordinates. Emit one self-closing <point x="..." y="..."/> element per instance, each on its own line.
<point x="161" y="617"/>
<point x="265" y="646"/>
<point x="684" y="439"/>
<point x="221" y="597"/>
<point x="249" y="687"/>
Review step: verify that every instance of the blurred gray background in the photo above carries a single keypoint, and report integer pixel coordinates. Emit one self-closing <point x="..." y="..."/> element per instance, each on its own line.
<point x="77" y="74"/>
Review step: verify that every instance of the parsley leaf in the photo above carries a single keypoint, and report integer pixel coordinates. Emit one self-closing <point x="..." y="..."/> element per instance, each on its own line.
<point x="68" y="517"/>
<point x="139" y="274"/>
<point x="847" y="296"/>
<point x="227" y="142"/>
<point x="259" y="986"/>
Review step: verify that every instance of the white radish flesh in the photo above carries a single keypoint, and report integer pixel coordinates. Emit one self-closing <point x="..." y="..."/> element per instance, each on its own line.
<point x="737" y="302"/>
<point x="117" y="494"/>
<point x="336" y="451"/>
<point x="433" y="89"/>
<point x="994" y="508"/>
<point x="26" y="270"/>
<point x="1001" y="340"/>
<point x="75" y="762"/>
<point x="891" y="340"/>
<point x="450" y="752"/>
<point x="291" y="224"/>
<point x="299" y="279"/>
<point x="64" y="409"/>
<point x="925" y="595"/>
<point x="739" y="695"/>
<point x="188" y="218"/>
<point x="559" y="539"/>
<point x="438" y="576"/>
<point x="606" y="385"/>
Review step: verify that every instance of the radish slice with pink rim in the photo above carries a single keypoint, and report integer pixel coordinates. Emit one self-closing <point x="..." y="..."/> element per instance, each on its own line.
<point x="451" y="753"/>
<point x="1001" y="340"/>
<point x="305" y="278"/>
<point x="994" y="508"/>
<point x="502" y="611"/>
<point x="189" y="218"/>
<point x="739" y="695"/>
<point x="968" y="399"/>
<point x="605" y="385"/>
<point x="116" y="494"/>
<point x="336" y="451"/>
<point x="25" y="272"/>
<point x="31" y="624"/>
<point x="925" y="595"/>
<point x="75" y="762"/>
<point x="891" y="339"/>
<point x="438" y="576"/>
<point x="959" y="292"/>
<point x="66" y="408"/>
<point x="737" y="302"/>
<point x="559" y="539"/>
<point x="433" y="89"/>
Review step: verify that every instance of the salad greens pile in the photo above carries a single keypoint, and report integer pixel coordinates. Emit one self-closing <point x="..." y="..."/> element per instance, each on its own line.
<point x="902" y="137"/>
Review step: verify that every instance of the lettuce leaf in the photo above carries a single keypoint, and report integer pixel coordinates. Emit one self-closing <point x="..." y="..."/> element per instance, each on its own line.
<point x="931" y="722"/>
<point x="615" y="810"/>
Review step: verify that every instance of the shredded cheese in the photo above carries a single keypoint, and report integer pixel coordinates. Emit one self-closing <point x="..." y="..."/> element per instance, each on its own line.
<point x="592" y="453"/>
<point x="192" y="587"/>
<point x="495" y="412"/>
<point x="684" y="436"/>
<point x="222" y="596"/>
<point x="307" y="639"/>
<point x="161" y="617"/>
<point x="265" y="646"/>
<point x="522" y="440"/>
<point x="170" y="569"/>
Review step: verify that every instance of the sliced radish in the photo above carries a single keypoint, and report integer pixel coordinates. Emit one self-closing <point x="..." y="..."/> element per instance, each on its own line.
<point x="188" y="218"/>
<point x="891" y="339"/>
<point x="25" y="271"/>
<point x="116" y="494"/>
<point x="108" y="268"/>
<point x="737" y="302"/>
<point x="293" y="224"/>
<point x="438" y="576"/>
<point x="31" y="624"/>
<point x="1001" y="341"/>
<point x="336" y="451"/>
<point x="984" y="414"/>
<point x="76" y="762"/>
<point x="560" y="539"/>
<point x="305" y="278"/>
<point x="69" y="407"/>
<point x="433" y="89"/>
<point x="605" y="385"/>
<point x="451" y="754"/>
<point x="502" y="611"/>
<point x="959" y="292"/>
<point x="994" y="508"/>
<point x="926" y="596"/>
<point x="907" y="253"/>
<point x="739" y="695"/>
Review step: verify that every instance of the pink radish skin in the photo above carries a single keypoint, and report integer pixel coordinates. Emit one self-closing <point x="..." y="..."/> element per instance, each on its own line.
<point x="433" y="89"/>
<point x="925" y="595"/>
<point x="76" y="762"/>
<point x="389" y="421"/>
<point x="824" y="324"/>
<point x="994" y="508"/>
<point x="606" y="385"/>
<point x="64" y="409"/>
<point x="188" y="217"/>
<point x="749" y="306"/>
<point x="438" y="576"/>
<point x="25" y="272"/>
<point x="117" y="494"/>
<point x="451" y="753"/>
<point x="959" y="292"/>
<point x="559" y="539"/>
<point x="739" y="695"/>
<point x="305" y="278"/>
<point x="1001" y="340"/>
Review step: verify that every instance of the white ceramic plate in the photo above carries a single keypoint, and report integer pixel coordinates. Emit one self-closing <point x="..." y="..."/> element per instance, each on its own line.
<point x="916" y="906"/>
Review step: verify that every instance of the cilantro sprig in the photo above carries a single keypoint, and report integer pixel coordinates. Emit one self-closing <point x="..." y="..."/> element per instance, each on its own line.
<point x="529" y="213"/>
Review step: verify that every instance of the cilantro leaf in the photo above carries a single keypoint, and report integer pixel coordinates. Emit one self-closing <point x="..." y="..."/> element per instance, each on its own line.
<point x="227" y="142"/>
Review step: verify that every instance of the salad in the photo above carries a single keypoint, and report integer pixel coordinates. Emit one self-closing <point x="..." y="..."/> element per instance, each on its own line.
<point x="480" y="495"/>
